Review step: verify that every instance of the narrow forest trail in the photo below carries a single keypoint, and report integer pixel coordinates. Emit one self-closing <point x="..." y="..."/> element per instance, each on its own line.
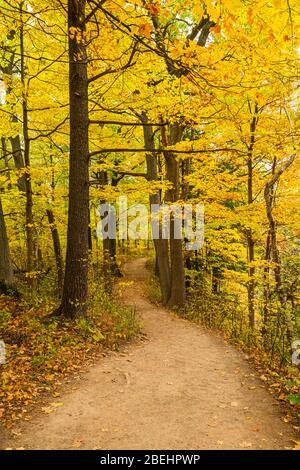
<point x="180" y="388"/>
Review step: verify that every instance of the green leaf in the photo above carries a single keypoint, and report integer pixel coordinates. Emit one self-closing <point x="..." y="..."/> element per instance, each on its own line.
<point x="294" y="399"/>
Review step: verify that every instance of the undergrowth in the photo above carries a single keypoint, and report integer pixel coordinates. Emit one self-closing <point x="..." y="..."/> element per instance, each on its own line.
<point x="42" y="349"/>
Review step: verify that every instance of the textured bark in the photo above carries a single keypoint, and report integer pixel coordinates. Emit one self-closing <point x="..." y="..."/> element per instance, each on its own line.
<point x="30" y="241"/>
<point x="16" y="149"/>
<point x="6" y="270"/>
<point x="57" y="251"/>
<point x="75" y="291"/>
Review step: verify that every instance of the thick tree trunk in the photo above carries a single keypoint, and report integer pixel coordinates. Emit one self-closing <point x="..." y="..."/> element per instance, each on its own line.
<point x="6" y="269"/>
<point x="57" y="251"/>
<point x="75" y="291"/>
<point x="160" y="245"/>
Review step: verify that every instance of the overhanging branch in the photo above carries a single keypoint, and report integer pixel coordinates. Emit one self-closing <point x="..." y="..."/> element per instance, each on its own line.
<point x="121" y="123"/>
<point x="174" y="151"/>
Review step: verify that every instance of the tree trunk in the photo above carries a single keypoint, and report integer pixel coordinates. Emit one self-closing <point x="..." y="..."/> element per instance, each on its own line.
<point x="160" y="245"/>
<point x="75" y="291"/>
<point x="266" y="295"/>
<point x="31" y="264"/>
<point x="57" y="251"/>
<point x="15" y="141"/>
<point x="16" y="149"/>
<point x="110" y="265"/>
<point x="4" y="156"/>
<point x="178" y="291"/>
<point x="250" y="239"/>
<point x="6" y="270"/>
<point x="282" y="314"/>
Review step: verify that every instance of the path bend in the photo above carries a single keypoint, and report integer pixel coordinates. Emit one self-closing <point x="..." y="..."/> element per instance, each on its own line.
<point x="180" y="387"/>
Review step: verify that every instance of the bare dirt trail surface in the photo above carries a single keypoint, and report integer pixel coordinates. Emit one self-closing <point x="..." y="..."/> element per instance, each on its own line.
<point x="181" y="387"/>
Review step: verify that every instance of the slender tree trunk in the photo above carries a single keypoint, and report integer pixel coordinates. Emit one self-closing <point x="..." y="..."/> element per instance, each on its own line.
<point x="6" y="269"/>
<point x="266" y="294"/>
<point x="178" y="291"/>
<point x="57" y="251"/>
<point x="15" y="141"/>
<point x="16" y="149"/>
<point x="4" y="156"/>
<point x="282" y="314"/>
<point x="267" y="271"/>
<point x="90" y="237"/>
<point x="31" y="265"/>
<point x="250" y="238"/>
<point x="110" y="264"/>
<point x="160" y="245"/>
<point x="75" y="291"/>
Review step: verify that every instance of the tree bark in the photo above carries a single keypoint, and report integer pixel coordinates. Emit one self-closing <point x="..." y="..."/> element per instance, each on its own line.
<point x="4" y="156"/>
<point x="6" y="269"/>
<point x="282" y="314"/>
<point x="160" y="245"/>
<point x="75" y="291"/>
<point x="15" y="141"/>
<point x="57" y="251"/>
<point x="178" y="291"/>
<point x="250" y="238"/>
<point x="16" y="149"/>
<point x="31" y="262"/>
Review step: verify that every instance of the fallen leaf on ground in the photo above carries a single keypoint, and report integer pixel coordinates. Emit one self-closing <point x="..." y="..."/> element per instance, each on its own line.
<point x="245" y="444"/>
<point x="47" y="409"/>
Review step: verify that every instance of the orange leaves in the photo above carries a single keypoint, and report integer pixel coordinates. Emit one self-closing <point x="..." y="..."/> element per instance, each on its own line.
<point x="145" y="29"/>
<point x="250" y="16"/>
<point x="216" y="29"/>
<point x="153" y="8"/>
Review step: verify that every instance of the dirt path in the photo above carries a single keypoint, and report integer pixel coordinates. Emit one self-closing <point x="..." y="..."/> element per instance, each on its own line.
<point x="180" y="388"/>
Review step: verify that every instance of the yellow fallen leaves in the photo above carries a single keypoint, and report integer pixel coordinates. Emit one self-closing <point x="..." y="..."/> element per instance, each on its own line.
<point x="57" y="404"/>
<point x="49" y="409"/>
<point x="41" y="351"/>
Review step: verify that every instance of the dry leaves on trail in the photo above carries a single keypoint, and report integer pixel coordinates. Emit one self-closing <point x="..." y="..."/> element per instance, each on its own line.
<point x="42" y="350"/>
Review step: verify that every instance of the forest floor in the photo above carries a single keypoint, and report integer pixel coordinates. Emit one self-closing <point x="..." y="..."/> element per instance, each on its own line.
<point x="178" y="386"/>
